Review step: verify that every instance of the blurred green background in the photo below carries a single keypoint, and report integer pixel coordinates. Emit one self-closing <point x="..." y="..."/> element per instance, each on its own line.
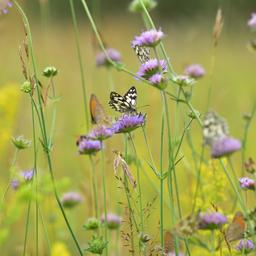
<point x="188" y="27"/>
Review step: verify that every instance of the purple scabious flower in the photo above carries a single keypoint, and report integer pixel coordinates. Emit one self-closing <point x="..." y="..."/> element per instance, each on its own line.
<point x="128" y="123"/>
<point x="4" y="5"/>
<point x="245" y="246"/>
<point x="195" y="71"/>
<point x="211" y="220"/>
<point x="152" y="67"/>
<point x="71" y="199"/>
<point x="88" y="146"/>
<point x="113" y="221"/>
<point x="15" y="184"/>
<point x="247" y="183"/>
<point x="101" y="58"/>
<point x="158" y="80"/>
<point x="225" y="146"/>
<point x="252" y="21"/>
<point x="148" y="38"/>
<point x="28" y="174"/>
<point x="101" y="133"/>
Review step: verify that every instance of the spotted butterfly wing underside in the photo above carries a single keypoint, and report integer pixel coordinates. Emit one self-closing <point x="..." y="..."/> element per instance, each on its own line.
<point x="126" y="103"/>
<point x="143" y="53"/>
<point x="214" y="128"/>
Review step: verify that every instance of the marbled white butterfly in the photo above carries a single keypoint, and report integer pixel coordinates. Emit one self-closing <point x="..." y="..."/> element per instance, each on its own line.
<point x="143" y="53"/>
<point x="126" y="103"/>
<point x="214" y="128"/>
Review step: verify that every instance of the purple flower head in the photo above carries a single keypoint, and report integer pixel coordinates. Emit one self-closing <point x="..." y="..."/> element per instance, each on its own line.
<point x="148" y="38"/>
<point x="225" y="146"/>
<point x="195" y="71"/>
<point x="88" y="146"/>
<point x="113" y="221"/>
<point x="247" y="183"/>
<point x="158" y="80"/>
<point x="252" y="21"/>
<point x="245" y="245"/>
<point x="15" y="184"/>
<point x="28" y="174"/>
<point x="4" y="5"/>
<point x="211" y="220"/>
<point x="128" y="123"/>
<point x="101" y="133"/>
<point x="101" y="59"/>
<point x="71" y="199"/>
<point x="152" y="67"/>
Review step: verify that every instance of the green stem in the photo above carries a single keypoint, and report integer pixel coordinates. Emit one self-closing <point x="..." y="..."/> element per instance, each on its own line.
<point x="94" y="185"/>
<point x="162" y="186"/>
<point x="139" y="184"/>
<point x="104" y="197"/>
<point x="81" y="65"/>
<point x="26" y="229"/>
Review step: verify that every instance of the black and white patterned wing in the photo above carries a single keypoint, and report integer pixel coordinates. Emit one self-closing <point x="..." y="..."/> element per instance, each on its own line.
<point x="143" y="53"/>
<point x="131" y="97"/>
<point x="126" y="103"/>
<point x="214" y="128"/>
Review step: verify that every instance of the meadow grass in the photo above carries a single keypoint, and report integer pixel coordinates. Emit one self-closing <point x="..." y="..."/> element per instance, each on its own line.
<point x="172" y="184"/>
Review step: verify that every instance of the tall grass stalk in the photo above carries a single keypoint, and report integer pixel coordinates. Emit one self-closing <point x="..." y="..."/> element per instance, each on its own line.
<point x="162" y="184"/>
<point x="81" y="64"/>
<point x="47" y="147"/>
<point x="103" y="176"/>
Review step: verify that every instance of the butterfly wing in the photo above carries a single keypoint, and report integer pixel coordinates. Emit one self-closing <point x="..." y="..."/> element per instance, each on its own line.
<point x="131" y="97"/>
<point x="143" y="53"/>
<point x="214" y="128"/>
<point x="169" y="243"/>
<point x="97" y="112"/>
<point x="126" y="103"/>
<point x="236" y="229"/>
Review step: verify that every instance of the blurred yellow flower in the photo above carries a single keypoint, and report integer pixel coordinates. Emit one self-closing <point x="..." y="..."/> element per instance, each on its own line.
<point x="214" y="186"/>
<point x="9" y="100"/>
<point x="59" y="249"/>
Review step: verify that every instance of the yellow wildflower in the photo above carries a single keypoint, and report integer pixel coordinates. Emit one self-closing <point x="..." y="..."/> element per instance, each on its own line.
<point x="59" y="249"/>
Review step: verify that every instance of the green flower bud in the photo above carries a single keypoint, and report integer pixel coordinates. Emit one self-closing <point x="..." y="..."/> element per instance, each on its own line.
<point x="183" y="80"/>
<point x="92" y="224"/>
<point x="96" y="245"/>
<point x="50" y="72"/>
<point x="26" y="87"/>
<point x="144" y="238"/>
<point x="194" y="114"/>
<point x="135" y="5"/>
<point x="20" y="142"/>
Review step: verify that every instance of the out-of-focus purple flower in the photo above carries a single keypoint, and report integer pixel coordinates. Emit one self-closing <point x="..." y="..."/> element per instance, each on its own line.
<point x="28" y="174"/>
<point x="148" y="38"/>
<point x="158" y="80"/>
<point x="71" y="199"/>
<point x="211" y="220"/>
<point x="113" y="221"/>
<point x="101" y="133"/>
<point x="195" y="71"/>
<point x="88" y="146"/>
<point x="252" y="21"/>
<point x="128" y="123"/>
<point x="247" y="183"/>
<point x="245" y="246"/>
<point x="15" y="184"/>
<point x="101" y="58"/>
<point x="4" y="5"/>
<point x="225" y="146"/>
<point x="152" y="67"/>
